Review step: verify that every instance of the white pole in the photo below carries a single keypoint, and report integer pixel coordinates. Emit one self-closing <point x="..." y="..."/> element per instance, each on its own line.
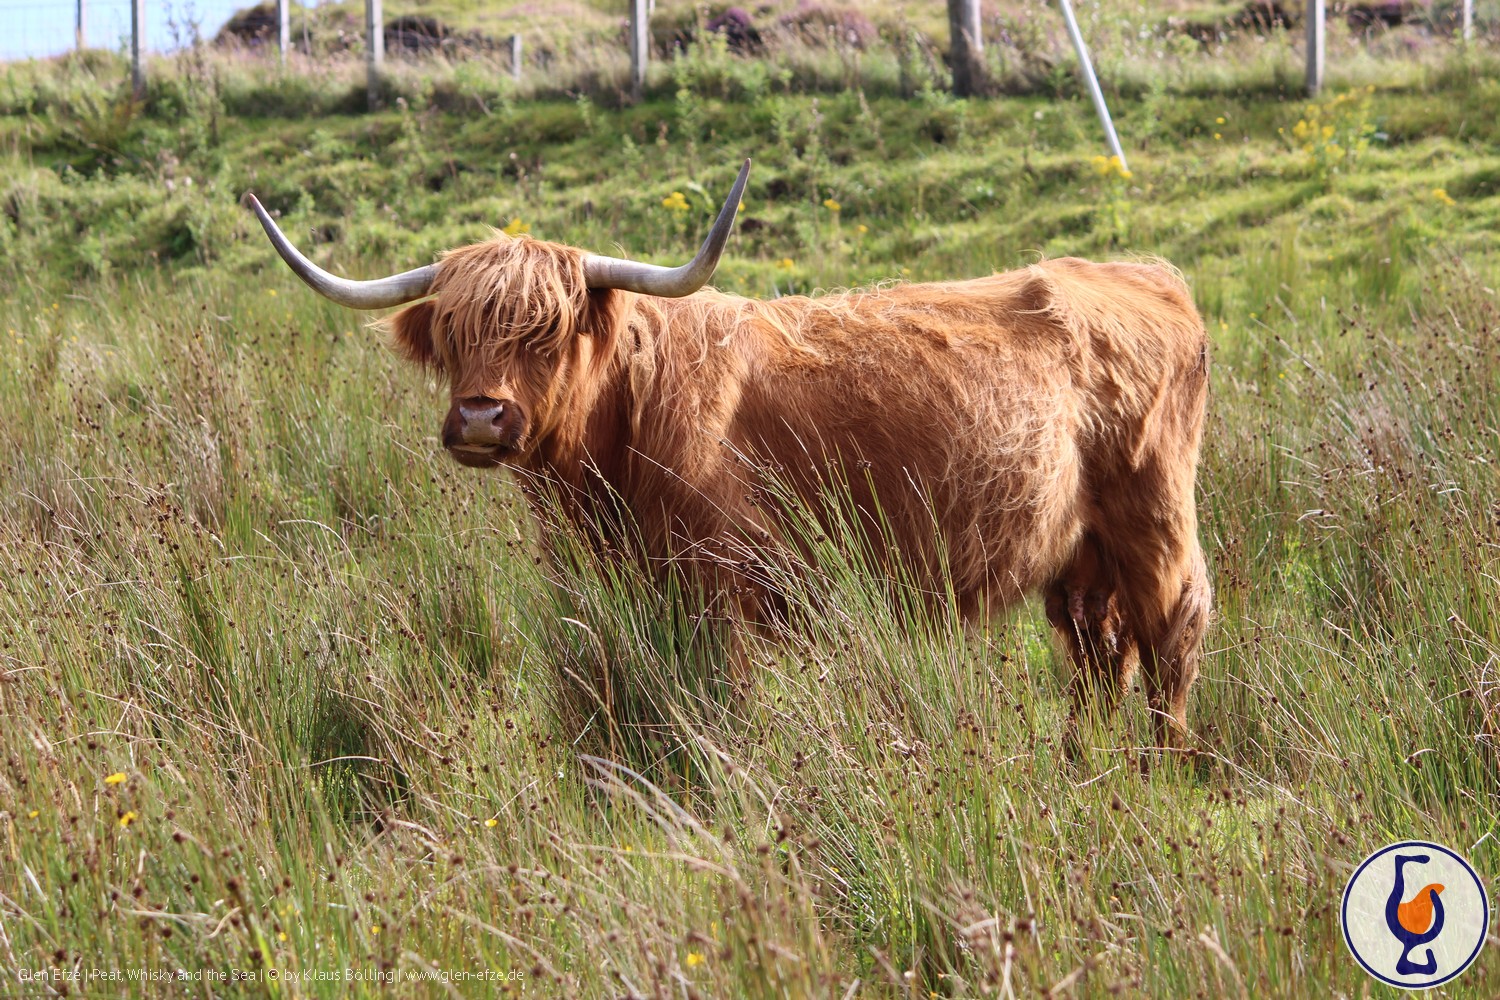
<point x="1468" y="20"/>
<point x="283" y="27"/>
<point x="1315" y="45"/>
<point x="640" y="45"/>
<point x="1093" y="82"/>
<point x="515" y="57"/>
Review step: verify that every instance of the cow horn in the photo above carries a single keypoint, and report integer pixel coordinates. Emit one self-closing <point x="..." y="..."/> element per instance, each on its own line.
<point x="670" y="282"/>
<point x="380" y="293"/>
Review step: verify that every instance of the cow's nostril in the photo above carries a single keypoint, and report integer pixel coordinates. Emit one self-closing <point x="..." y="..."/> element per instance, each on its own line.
<point x="499" y="413"/>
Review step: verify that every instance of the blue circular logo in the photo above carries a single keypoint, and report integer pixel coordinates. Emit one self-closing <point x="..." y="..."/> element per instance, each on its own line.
<point x="1415" y="915"/>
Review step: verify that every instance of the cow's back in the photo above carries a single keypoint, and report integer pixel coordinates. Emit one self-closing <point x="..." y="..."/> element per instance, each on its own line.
<point x="970" y="420"/>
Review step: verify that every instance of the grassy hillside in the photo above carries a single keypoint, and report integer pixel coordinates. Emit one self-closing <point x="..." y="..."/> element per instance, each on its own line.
<point x="291" y="695"/>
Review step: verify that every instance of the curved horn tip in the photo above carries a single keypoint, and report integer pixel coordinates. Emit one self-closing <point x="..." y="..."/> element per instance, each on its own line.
<point x="672" y="282"/>
<point x="379" y="293"/>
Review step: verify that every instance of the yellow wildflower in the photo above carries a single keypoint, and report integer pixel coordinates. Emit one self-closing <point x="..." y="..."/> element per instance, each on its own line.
<point x="785" y="264"/>
<point x="516" y="227"/>
<point x="33" y="814"/>
<point x="675" y="202"/>
<point x="271" y="292"/>
<point x="832" y="205"/>
<point x="861" y="229"/>
<point x="491" y="822"/>
<point x="1219" y="120"/>
<point x="114" y="779"/>
<point x="693" y="959"/>
<point x="127" y="819"/>
<point x="1442" y="195"/>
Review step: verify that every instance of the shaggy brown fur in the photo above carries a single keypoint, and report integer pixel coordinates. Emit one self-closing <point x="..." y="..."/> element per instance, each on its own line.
<point x="1047" y="421"/>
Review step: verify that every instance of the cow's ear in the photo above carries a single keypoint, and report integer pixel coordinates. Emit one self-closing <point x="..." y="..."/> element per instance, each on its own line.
<point x="602" y="316"/>
<point x="412" y="329"/>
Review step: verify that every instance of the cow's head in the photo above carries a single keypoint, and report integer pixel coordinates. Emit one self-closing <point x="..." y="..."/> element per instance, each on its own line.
<point x="515" y="325"/>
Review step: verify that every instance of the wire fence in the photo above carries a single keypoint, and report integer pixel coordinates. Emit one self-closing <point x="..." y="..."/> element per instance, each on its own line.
<point x="36" y="29"/>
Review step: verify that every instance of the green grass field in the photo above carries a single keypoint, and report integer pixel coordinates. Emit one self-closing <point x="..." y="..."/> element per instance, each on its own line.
<point x="290" y="697"/>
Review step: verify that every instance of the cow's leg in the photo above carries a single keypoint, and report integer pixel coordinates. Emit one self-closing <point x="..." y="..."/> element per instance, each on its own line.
<point x="1083" y="607"/>
<point x="1168" y="613"/>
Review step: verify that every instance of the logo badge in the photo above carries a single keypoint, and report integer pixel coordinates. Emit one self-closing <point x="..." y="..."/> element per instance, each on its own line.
<point x="1415" y="915"/>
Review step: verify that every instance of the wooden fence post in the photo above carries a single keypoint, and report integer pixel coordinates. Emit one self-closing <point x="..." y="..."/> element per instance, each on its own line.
<point x="640" y="45"/>
<point x="138" y="47"/>
<point x="966" y="47"/>
<point x="515" y="58"/>
<point x="374" y="51"/>
<point x="1315" y="46"/>
<point x="283" y="27"/>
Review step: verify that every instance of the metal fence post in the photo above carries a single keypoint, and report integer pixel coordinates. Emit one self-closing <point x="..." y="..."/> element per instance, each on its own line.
<point x="1468" y="20"/>
<point x="78" y="28"/>
<point x="1100" y="108"/>
<point x="515" y="58"/>
<point x="283" y="27"/>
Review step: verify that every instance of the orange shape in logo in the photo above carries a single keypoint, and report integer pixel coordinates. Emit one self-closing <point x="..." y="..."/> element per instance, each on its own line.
<point x="1416" y="916"/>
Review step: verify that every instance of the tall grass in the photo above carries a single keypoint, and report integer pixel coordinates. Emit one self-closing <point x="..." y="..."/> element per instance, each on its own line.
<point x="358" y="732"/>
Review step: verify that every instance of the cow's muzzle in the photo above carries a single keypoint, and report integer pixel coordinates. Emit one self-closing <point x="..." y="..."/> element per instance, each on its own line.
<point x="482" y="432"/>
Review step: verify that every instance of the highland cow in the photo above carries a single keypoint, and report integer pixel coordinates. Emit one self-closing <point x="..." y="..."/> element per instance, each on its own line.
<point x="1036" y="430"/>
